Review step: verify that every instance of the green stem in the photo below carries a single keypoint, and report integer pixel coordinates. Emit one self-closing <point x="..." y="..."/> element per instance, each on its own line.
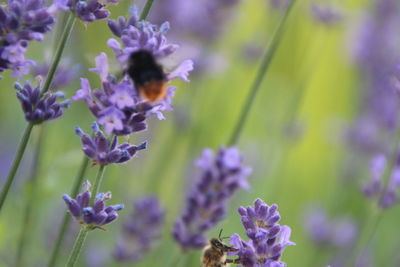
<point x="24" y="141"/>
<point x="146" y="9"/>
<point x="15" y="164"/>
<point x="31" y="199"/>
<point x="59" y="51"/>
<point x="67" y="216"/>
<point x="266" y="61"/>
<point x="367" y="235"/>
<point x="97" y="183"/>
<point x="76" y="250"/>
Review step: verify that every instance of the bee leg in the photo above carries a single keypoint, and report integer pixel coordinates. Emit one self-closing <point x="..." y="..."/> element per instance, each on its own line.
<point x="235" y="261"/>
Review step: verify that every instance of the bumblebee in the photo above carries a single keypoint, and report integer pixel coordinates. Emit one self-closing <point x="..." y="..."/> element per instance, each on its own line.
<point x="214" y="254"/>
<point x="148" y="76"/>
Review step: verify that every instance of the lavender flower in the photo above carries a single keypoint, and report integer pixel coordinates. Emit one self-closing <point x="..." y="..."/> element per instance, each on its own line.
<point x="325" y="14"/>
<point x="21" y="21"/>
<point x="203" y="19"/>
<point x="141" y="231"/>
<point x="92" y="217"/>
<point x="104" y="152"/>
<point x="87" y="11"/>
<point x="377" y="168"/>
<point x="220" y="177"/>
<point x="390" y="196"/>
<point x="340" y="232"/>
<point x="119" y="107"/>
<point x="377" y="53"/>
<point x="39" y="108"/>
<point x="268" y="239"/>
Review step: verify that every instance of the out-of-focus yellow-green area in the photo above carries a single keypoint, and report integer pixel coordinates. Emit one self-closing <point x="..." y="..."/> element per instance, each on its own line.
<point x="312" y="87"/>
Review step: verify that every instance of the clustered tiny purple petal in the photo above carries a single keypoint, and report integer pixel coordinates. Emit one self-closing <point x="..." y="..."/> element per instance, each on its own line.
<point x="339" y="232"/>
<point x="141" y="230"/>
<point x="119" y="107"/>
<point x="268" y="239"/>
<point x="87" y="11"/>
<point x="39" y="108"/>
<point x="206" y="205"/>
<point x="97" y="215"/>
<point x="104" y="152"/>
<point x="21" y="21"/>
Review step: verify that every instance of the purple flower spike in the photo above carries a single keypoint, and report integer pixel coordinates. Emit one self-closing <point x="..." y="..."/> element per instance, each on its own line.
<point x="221" y="175"/>
<point x="119" y="107"/>
<point x="104" y="152"/>
<point x="87" y="11"/>
<point x="141" y="231"/>
<point x="268" y="239"/>
<point x="377" y="168"/>
<point x="327" y="232"/>
<point x="21" y="21"/>
<point x="390" y="197"/>
<point x="36" y="108"/>
<point x="97" y="215"/>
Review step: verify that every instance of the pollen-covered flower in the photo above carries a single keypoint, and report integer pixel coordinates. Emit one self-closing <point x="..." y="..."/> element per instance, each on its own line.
<point x="141" y="230"/>
<point x="39" y="108"/>
<point x="104" y="152"/>
<point x="268" y="239"/>
<point x="221" y="176"/>
<point x="93" y="216"/>
<point x="21" y="21"/>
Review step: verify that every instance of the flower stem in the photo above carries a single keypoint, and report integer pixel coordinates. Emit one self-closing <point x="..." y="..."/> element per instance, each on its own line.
<point x="24" y="141"/>
<point x="59" y="51"/>
<point x="15" y="164"/>
<point x="97" y="183"/>
<point x="76" y="250"/>
<point x="31" y="198"/>
<point x="146" y="9"/>
<point x="67" y="217"/>
<point x="266" y="61"/>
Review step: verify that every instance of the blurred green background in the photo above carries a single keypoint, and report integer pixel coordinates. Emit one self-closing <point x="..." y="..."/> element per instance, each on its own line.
<point x="293" y="138"/>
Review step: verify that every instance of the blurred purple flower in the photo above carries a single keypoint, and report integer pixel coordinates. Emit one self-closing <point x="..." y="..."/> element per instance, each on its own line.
<point x="96" y="216"/>
<point x="221" y="175"/>
<point x="377" y="168"/>
<point x="339" y="232"/>
<point x="377" y="54"/>
<point x="21" y="21"/>
<point x="326" y="14"/>
<point x="268" y="239"/>
<point x="203" y="19"/>
<point x="37" y="108"/>
<point x="63" y="77"/>
<point x="390" y="195"/>
<point x="141" y="231"/>
<point x="104" y="152"/>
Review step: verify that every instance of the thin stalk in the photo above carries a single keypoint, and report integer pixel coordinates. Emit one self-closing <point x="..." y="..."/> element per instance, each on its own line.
<point x="15" y="164"/>
<point x="146" y="9"/>
<point x="67" y="217"/>
<point x="262" y="71"/>
<point x="59" y="51"/>
<point x="97" y="183"/>
<point x="31" y="198"/>
<point x="76" y="250"/>
<point x="24" y="141"/>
